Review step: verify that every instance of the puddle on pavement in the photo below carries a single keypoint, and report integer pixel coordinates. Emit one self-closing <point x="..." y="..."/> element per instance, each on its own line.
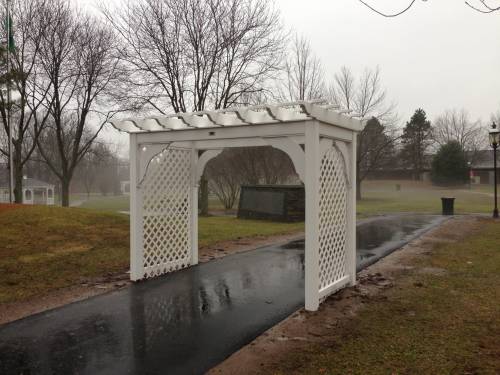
<point x="379" y="236"/>
<point x="295" y="245"/>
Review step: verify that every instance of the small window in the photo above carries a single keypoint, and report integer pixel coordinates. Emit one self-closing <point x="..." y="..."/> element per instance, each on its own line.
<point x="49" y="193"/>
<point x="28" y="195"/>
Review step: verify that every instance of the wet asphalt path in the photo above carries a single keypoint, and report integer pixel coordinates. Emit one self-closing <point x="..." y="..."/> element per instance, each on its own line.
<point x="185" y="322"/>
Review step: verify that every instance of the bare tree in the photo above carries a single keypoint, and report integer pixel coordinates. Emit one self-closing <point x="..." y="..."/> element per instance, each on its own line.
<point x="262" y="165"/>
<point x="247" y="166"/>
<point x="28" y="115"/>
<point x="194" y="55"/>
<point x="224" y="179"/>
<point x="481" y="6"/>
<point x="98" y="168"/>
<point x="87" y="171"/>
<point x="367" y="98"/>
<point x="186" y="55"/>
<point x="303" y="75"/>
<point x="77" y="56"/>
<point x="455" y="125"/>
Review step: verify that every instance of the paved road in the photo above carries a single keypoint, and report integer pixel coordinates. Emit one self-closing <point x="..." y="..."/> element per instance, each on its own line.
<point x="185" y="322"/>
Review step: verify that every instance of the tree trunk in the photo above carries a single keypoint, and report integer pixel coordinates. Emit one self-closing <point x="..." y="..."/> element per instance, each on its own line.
<point x="18" y="175"/>
<point x="65" y="182"/>
<point x="18" y="185"/>
<point x="203" y="196"/>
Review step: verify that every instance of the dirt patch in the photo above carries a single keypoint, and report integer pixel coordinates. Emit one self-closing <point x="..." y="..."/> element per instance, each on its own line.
<point x="296" y="334"/>
<point x="95" y="286"/>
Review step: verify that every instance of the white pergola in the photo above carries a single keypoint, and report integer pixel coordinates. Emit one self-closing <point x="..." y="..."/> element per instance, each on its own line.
<point x="168" y="155"/>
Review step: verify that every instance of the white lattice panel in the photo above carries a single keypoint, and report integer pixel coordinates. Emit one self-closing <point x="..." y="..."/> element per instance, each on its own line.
<point x="332" y="219"/>
<point x="166" y="210"/>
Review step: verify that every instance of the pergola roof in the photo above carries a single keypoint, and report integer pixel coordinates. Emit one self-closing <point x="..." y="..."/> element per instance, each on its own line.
<point x="243" y="116"/>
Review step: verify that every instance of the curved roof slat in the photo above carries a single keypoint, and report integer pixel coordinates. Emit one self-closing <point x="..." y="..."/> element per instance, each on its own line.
<point x="252" y="115"/>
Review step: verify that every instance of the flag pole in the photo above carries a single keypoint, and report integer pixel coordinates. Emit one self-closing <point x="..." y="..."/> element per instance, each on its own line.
<point x="11" y="146"/>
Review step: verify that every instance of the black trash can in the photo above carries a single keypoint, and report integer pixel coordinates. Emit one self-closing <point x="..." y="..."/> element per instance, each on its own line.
<point x="448" y="206"/>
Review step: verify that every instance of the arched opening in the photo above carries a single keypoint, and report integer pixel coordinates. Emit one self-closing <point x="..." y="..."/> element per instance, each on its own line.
<point x="28" y="195"/>
<point x="258" y="171"/>
<point x="50" y="193"/>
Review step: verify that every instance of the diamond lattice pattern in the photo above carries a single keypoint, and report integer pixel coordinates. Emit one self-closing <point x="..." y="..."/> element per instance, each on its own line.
<point x="166" y="197"/>
<point x="332" y="219"/>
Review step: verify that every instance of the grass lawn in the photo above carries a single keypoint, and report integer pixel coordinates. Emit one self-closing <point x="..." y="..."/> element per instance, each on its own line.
<point x="428" y="324"/>
<point x="118" y="203"/>
<point x="380" y="197"/>
<point x="108" y="203"/>
<point x="46" y="248"/>
<point x="213" y="229"/>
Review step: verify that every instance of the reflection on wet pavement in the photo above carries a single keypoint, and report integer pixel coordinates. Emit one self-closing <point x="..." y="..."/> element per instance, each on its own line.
<point x="378" y="237"/>
<point x="185" y="322"/>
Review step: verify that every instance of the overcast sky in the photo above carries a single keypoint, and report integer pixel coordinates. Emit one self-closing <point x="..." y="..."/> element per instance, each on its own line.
<point x="440" y="55"/>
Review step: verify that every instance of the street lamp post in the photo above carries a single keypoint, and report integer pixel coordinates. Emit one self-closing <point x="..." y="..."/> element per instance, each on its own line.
<point x="469" y="164"/>
<point x="495" y="141"/>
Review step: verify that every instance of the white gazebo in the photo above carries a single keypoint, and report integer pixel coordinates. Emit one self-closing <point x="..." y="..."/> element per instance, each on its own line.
<point x="34" y="191"/>
<point x="168" y="155"/>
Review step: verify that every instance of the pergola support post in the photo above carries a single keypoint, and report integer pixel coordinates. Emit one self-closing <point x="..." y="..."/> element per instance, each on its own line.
<point x="312" y="177"/>
<point x="351" y="211"/>
<point x="136" y="217"/>
<point x="194" y="205"/>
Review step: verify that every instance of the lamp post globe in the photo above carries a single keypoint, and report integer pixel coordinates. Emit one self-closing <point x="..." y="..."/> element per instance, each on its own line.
<point x="494" y="142"/>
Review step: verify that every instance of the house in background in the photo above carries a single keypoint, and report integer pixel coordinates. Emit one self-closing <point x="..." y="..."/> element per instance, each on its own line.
<point x="481" y="169"/>
<point x="34" y="191"/>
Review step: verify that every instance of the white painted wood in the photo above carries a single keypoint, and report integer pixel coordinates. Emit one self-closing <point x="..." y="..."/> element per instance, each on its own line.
<point x="252" y="115"/>
<point x="293" y="150"/>
<point x="342" y="147"/>
<point x="146" y="154"/>
<point x="136" y="235"/>
<point x="325" y="292"/>
<point x="334" y="117"/>
<point x="313" y="161"/>
<point x="224" y="133"/>
<point x="351" y="212"/>
<point x="329" y="131"/>
<point x="243" y="142"/>
<point x="194" y="205"/>
<point x="203" y="160"/>
<point x="325" y="144"/>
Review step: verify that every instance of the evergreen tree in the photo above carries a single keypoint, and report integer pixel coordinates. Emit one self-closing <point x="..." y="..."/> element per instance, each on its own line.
<point x="416" y="139"/>
<point x="449" y="166"/>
